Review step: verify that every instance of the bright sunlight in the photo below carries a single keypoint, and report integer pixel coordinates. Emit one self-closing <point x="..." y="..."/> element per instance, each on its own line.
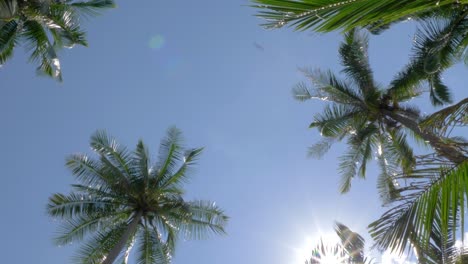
<point x="324" y="249"/>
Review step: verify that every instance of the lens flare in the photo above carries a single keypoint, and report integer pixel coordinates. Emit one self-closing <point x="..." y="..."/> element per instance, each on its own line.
<point x="156" y="42"/>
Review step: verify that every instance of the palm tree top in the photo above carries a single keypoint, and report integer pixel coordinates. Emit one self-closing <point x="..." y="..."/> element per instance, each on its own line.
<point x="123" y="197"/>
<point x="44" y="27"/>
<point x="356" y="110"/>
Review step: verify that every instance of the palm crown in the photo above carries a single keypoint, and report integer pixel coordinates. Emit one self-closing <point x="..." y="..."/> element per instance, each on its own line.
<point x="44" y="26"/>
<point x="372" y="119"/>
<point x="123" y="198"/>
<point x="357" y="112"/>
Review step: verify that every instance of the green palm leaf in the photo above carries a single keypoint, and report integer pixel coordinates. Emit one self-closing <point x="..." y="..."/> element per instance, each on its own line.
<point x="45" y="27"/>
<point x="152" y="250"/>
<point x="330" y="15"/>
<point x="8" y="39"/>
<point x="94" y="251"/>
<point x="438" y="45"/>
<point x="441" y="200"/>
<point x="356" y="61"/>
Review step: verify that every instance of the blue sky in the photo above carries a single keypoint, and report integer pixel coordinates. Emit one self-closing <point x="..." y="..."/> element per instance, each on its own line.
<point x="208" y="68"/>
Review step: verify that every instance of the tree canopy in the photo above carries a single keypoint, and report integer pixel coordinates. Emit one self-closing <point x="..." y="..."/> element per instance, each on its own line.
<point x="123" y="199"/>
<point x="44" y="27"/>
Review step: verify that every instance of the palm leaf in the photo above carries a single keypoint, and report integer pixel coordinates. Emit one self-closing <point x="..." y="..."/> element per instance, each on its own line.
<point x="353" y="54"/>
<point x="327" y="87"/>
<point x="445" y="118"/>
<point x="436" y="47"/>
<point x="170" y="154"/>
<point x="8" y="9"/>
<point x="352" y="242"/>
<point x="330" y="15"/>
<point x="93" y="173"/>
<point x="320" y="148"/>
<point x="354" y="161"/>
<point x="8" y="39"/>
<point x="76" y="204"/>
<point x="201" y="219"/>
<point x="95" y="250"/>
<point x="335" y="120"/>
<point x="77" y="228"/>
<point x="419" y="208"/>
<point x="151" y="249"/>
<point x="180" y="175"/>
<point x="43" y="51"/>
<point x="140" y="163"/>
<point x="91" y="7"/>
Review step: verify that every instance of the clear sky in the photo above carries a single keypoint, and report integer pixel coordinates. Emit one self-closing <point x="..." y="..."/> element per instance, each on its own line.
<point x="208" y="68"/>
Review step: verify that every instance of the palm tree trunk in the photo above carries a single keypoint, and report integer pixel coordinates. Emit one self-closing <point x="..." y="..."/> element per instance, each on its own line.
<point x="114" y="253"/>
<point x="446" y="150"/>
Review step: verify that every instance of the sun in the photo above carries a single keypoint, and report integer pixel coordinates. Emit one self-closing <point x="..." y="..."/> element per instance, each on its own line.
<point x="324" y="249"/>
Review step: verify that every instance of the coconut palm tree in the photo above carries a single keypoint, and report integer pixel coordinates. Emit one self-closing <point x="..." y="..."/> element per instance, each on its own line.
<point x="44" y="27"/>
<point x="349" y="251"/>
<point x="440" y="42"/>
<point x="123" y="199"/>
<point x="373" y="119"/>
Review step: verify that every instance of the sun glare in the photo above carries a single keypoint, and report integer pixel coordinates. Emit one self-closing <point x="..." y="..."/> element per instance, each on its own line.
<point x="329" y="255"/>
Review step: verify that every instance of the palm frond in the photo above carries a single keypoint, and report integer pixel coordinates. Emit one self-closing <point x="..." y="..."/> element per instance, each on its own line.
<point x="327" y="87"/>
<point x="116" y="159"/>
<point x="179" y="176"/>
<point x="335" y="120"/>
<point x="94" y="173"/>
<point x="400" y="149"/>
<point x="354" y="58"/>
<point x="386" y="182"/>
<point x="352" y="242"/>
<point x="320" y="148"/>
<point x="151" y="249"/>
<point x="8" y="9"/>
<point x="92" y="7"/>
<point x="43" y="51"/>
<point x="354" y="161"/>
<point x="76" y="204"/>
<point x="170" y="154"/>
<point x="330" y="15"/>
<point x="97" y="247"/>
<point x="203" y="218"/>
<point x="445" y="118"/>
<point x="436" y="47"/>
<point x="439" y="92"/>
<point x="441" y="199"/>
<point x="76" y="228"/>
<point x="8" y="39"/>
<point x="140" y="167"/>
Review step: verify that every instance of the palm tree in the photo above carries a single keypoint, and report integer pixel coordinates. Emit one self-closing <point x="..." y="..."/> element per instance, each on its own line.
<point x="349" y="251"/>
<point x="123" y="198"/>
<point x="44" y="26"/>
<point x="372" y="119"/>
<point x="440" y="42"/>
